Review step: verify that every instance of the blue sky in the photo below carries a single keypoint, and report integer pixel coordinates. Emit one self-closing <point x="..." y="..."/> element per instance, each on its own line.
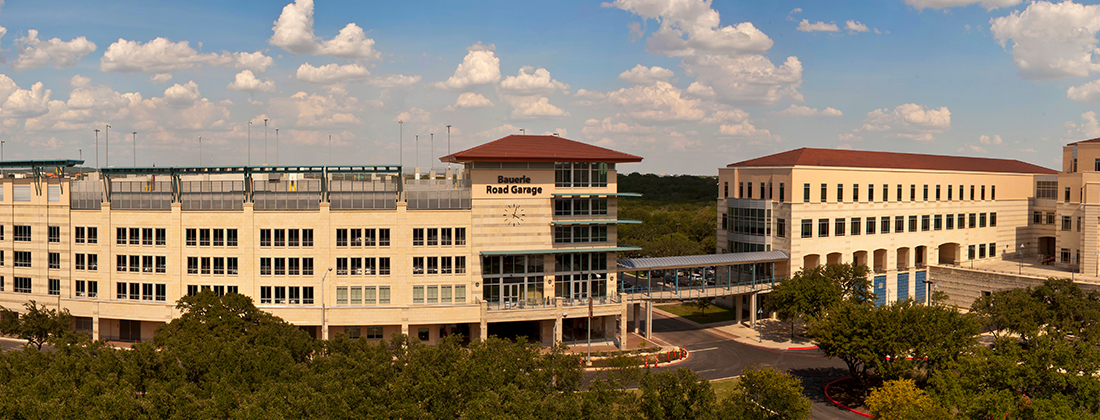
<point x="689" y="85"/>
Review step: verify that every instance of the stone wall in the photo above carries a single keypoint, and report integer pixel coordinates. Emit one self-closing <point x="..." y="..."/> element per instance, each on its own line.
<point x="963" y="285"/>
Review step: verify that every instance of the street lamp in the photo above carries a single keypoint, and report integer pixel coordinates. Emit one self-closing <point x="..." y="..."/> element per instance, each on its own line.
<point x="448" y="142"/>
<point x="250" y="143"/>
<point x="1020" y="264"/>
<point x="107" y="145"/>
<point x="200" y="150"/>
<point x="401" y="143"/>
<point x="96" y="149"/>
<point x="431" y="153"/>
<point x="135" y="148"/>
<point x="759" y="314"/>
<point x="324" y="325"/>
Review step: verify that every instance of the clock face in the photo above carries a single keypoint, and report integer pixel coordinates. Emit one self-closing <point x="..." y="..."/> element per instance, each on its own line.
<point x="513" y="215"/>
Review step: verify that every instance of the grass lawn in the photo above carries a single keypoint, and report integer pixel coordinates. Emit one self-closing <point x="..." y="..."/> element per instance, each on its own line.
<point x="723" y="387"/>
<point x="690" y="311"/>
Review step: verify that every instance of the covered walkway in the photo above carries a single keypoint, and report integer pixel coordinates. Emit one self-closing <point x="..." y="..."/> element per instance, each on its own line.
<point x="738" y="276"/>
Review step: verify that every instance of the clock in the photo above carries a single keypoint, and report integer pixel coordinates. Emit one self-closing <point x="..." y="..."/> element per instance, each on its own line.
<point x="514" y="214"/>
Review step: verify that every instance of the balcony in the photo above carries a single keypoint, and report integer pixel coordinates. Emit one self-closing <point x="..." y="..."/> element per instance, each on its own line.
<point x="548" y="303"/>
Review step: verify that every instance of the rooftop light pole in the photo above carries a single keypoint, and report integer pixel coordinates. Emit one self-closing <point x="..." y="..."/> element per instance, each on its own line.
<point x="432" y="145"/>
<point x="107" y="145"/>
<point x="401" y="143"/>
<point x="417" y="152"/>
<point x="448" y="142"/>
<point x="330" y="150"/>
<point x="265" y="141"/>
<point x="250" y="143"/>
<point x="276" y="146"/>
<point x="96" y="149"/>
<point x="135" y="148"/>
<point x="200" y="150"/>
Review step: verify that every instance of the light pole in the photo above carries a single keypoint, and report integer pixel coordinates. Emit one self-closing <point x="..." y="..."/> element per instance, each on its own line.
<point x="522" y="132"/>
<point x="250" y="143"/>
<point x="431" y="154"/>
<point x="265" y="141"/>
<point x="96" y="149"/>
<point x="200" y="150"/>
<point x="330" y="150"/>
<point x="401" y="143"/>
<point x="107" y="145"/>
<point x="324" y="325"/>
<point x="417" y="152"/>
<point x="135" y="148"/>
<point x="448" y="142"/>
<point x="588" y="361"/>
<point x="1020" y="264"/>
<point x="276" y="146"/>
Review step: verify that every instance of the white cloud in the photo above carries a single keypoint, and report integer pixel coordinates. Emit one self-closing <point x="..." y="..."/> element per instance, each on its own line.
<point x="533" y="107"/>
<point x="984" y="139"/>
<point x="642" y="75"/>
<point x="805" y="111"/>
<point x="246" y="81"/>
<point x="332" y="73"/>
<point x="537" y="83"/>
<point x="848" y="137"/>
<point x="393" y="81"/>
<point x="161" y="56"/>
<point x="293" y="32"/>
<point x="912" y="121"/>
<point x="699" y="23"/>
<point x="636" y="31"/>
<point x="589" y="94"/>
<point x="943" y="4"/>
<point x="1088" y="92"/>
<point x="479" y="67"/>
<point x="498" y="132"/>
<point x="1051" y="40"/>
<point x="971" y="148"/>
<point x="161" y="78"/>
<point x="36" y="53"/>
<point x="854" y="26"/>
<point x="414" y="115"/>
<point x="594" y="128"/>
<point x="795" y="11"/>
<point x="743" y="129"/>
<point x="182" y="96"/>
<point x="730" y="115"/>
<point x="1089" y="128"/>
<point x="750" y="79"/>
<point x="806" y="26"/>
<point x="23" y="103"/>
<point x="470" y="100"/>
<point x="657" y="102"/>
<point x="314" y="111"/>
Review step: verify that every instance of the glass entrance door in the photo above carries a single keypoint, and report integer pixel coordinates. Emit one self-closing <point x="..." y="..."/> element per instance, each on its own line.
<point x="580" y="289"/>
<point x="511" y="294"/>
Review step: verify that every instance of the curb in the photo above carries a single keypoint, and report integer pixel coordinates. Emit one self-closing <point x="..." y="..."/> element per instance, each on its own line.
<point x="725" y="334"/>
<point x="839" y="404"/>
<point x="674" y="362"/>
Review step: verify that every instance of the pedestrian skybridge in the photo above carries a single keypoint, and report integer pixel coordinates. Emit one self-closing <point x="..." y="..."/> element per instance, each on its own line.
<point x="700" y="276"/>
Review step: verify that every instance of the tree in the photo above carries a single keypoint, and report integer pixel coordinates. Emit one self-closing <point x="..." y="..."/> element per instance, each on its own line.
<point x="768" y="394"/>
<point x="680" y="394"/>
<point x="1058" y="306"/>
<point x="38" y="325"/>
<point x="702" y="304"/>
<point x="902" y="400"/>
<point x="809" y="293"/>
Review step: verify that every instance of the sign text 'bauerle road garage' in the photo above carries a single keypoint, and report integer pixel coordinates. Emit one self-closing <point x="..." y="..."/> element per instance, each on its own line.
<point x="513" y="189"/>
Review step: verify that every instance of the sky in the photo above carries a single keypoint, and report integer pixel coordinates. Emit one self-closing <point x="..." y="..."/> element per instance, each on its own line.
<point x="689" y="85"/>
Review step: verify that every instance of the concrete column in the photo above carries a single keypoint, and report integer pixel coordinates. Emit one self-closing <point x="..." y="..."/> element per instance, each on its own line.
<point x="405" y="329"/>
<point x="637" y="317"/>
<point x="484" y="330"/>
<point x="95" y="326"/>
<point x="623" y="333"/>
<point x="738" y="306"/>
<point x="752" y="310"/>
<point x="557" y="329"/>
<point x="649" y="319"/>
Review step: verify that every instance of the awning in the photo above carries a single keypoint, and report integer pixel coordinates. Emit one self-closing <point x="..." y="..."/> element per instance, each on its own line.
<point x="561" y="251"/>
<point x="661" y="263"/>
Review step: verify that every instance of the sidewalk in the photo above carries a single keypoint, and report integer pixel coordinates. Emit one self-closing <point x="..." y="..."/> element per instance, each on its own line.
<point x="769" y="333"/>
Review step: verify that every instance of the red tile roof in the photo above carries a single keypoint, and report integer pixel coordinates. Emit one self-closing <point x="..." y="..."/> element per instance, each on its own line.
<point x="1096" y="140"/>
<point x="891" y="160"/>
<point x="532" y="148"/>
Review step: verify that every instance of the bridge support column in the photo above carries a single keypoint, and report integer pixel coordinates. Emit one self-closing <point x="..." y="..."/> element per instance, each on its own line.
<point x="649" y="319"/>
<point x="752" y="310"/>
<point x="637" y="307"/>
<point x="557" y="329"/>
<point x="738" y="307"/>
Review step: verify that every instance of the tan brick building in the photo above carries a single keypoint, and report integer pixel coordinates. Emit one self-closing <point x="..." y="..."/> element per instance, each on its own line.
<point x="511" y="239"/>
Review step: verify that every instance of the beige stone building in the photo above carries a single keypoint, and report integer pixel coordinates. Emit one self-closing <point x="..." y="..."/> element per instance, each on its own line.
<point x="512" y="238"/>
<point x="899" y="212"/>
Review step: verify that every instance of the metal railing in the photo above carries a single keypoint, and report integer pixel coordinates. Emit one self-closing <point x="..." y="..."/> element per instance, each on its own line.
<point x="505" y="304"/>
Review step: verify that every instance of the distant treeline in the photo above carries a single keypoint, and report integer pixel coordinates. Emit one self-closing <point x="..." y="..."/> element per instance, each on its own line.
<point x="678" y="214"/>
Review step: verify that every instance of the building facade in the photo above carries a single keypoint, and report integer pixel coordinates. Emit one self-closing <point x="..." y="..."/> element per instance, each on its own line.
<point x="513" y="238"/>
<point x="894" y="212"/>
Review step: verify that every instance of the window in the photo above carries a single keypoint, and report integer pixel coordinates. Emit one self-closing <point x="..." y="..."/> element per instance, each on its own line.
<point x="805" y="193"/>
<point x="54" y="287"/>
<point x="937" y="193"/>
<point x="418" y="294"/>
<point x="22" y="284"/>
<point x="265" y="266"/>
<point x="992" y="192"/>
<point x="265" y="238"/>
<point x="135" y="263"/>
<point x="839" y="229"/>
<point x="992" y="222"/>
<point x="384" y="265"/>
<point x="807" y="228"/>
<point x="971" y="193"/>
<point x="981" y="250"/>
<point x="135" y="236"/>
<point x="341" y="266"/>
<point x="992" y="219"/>
<point x="971" y="252"/>
<point x="293" y="238"/>
<point x="898" y="198"/>
<point x="884" y="224"/>
<point x="912" y="223"/>
<point x="870" y="226"/>
<point x="192" y="265"/>
<point x="912" y="192"/>
<point x="22" y="233"/>
<point x="162" y="264"/>
<point x="855" y="193"/>
<point x="1037" y="217"/>
<point x="1046" y="189"/>
<point x="899" y="224"/>
<point x="925" y="192"/>
<point x="280" y="295"/>
<point x="950" y="221"/>
<point x="1050" y="218"/>
<point x="824" y="193"/>
<point x="231" y="266"/>
<point x="780" y="193"/>
<point x="822" y="228"/>
<point x="418" y="237"/>
<point x="780" y="228"/>
<point x="231" y="237"/>
<point x="280" y="266"/>
<point x="192" y="237"/>
<point x="750" y="190"/>
<point x="341" y="237"/>
<point x="725" y="189"/>
<point x="307" y="266"/>
<point x="770" y="190"/>
<point x="949" y="193"/>
<point x="219" y="237"/>
<point x="840" y="193"/>
<point x="1066" y="223"/>
<point x="22" y="259"/>
<point x="856" y="229"/>
<point x="741" y="189"/>
<point x="55" y="261"/>
<point x="79" y="262"/>
<point x="280" y="237"/>
<point x="433" y="237"/>
<point x="761" y="190"/>
<point x="937" y="222"/>
<point x="78" y="235"/>
<point x="1067" y="195"/>
<point x="870" y="192"/>
<point x="925" y="223"/>
<point x="265" y="294"/>
<point x="55" y="234"/>
<point x="983" y="193"/>
<point x="973" y="221"/>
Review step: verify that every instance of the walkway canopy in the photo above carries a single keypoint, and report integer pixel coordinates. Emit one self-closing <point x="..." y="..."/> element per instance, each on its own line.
<point x="706" y="260"/>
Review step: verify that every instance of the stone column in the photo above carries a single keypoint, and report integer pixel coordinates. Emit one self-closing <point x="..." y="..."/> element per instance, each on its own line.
<point x="623" y="333"/>
<point x="752" y="310"/>
<point x="738" y="307"/>
<point x="557" y="329"/>
<point x="649" y="319"/>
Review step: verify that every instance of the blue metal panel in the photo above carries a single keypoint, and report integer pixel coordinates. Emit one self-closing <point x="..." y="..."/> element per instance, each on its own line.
<point x="921" y="287"/>
<point x="880" y="290"/>
<point x="903" y="286"/>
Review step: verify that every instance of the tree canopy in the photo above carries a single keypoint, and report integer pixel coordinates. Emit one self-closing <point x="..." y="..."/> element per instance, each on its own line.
<point x="38" y="325"/>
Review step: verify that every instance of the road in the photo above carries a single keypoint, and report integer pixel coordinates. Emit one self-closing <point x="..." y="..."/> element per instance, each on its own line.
<point x="714" y="357"/>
